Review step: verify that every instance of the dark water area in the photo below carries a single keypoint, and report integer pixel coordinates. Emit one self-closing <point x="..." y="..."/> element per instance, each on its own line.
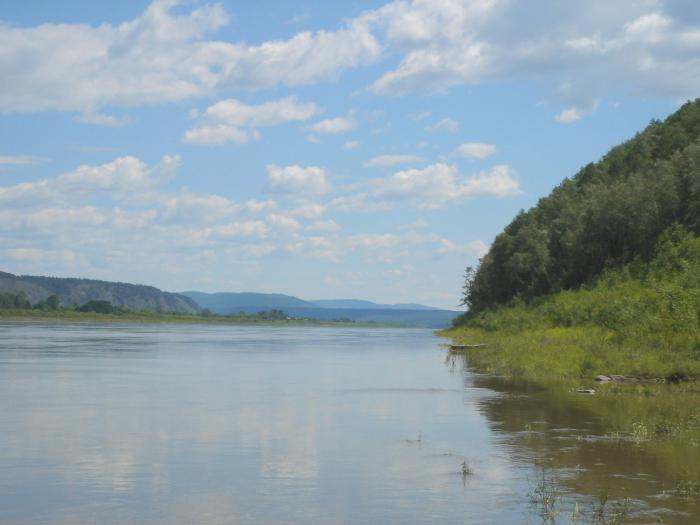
<point x="157" y="424"/>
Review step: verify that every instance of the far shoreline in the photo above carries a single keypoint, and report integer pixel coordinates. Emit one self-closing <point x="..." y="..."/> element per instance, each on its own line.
<point x="154" y="318"/>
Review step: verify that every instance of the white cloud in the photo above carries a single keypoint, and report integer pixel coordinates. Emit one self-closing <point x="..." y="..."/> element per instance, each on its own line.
<point x="422" y="115"/>
<point x="476" y="150"/>
<point x="122" y="175"/>
<point x="283" y="222"/>
<point x="191" y="207"/>
<point x="644" y="48"/>
<point x="126" y="219"/>
<point x="218" y="134"/>
<point x="448" y="124"/>
<point x="162" y="57"/>
<point x="392" y="160"/>
<point x="51" y="218"/>
<point x="37" y="255"/>
<point x="649" y="29"/>
<point x="295" y="179"/>
<point x="351" y="144"/>
<point x="229" y="230"/>
<point x="19" y="160"/>
<point x="324" y="226"/>
<point x="334" y="126"/>
<point x="567" y="116"/>
<point x="232" y="121"/>
<point x="257" y="250"/>
<point x="309" y="210"/>
<point x="438" y="184"/>
<point x="357" y="203"/>
<point x="477" y="248"/>
<point x="23" y="254"/>
<point x="101" y="119"/>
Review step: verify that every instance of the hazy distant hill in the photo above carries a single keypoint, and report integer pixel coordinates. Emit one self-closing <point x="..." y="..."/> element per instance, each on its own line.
<point x="233" y="302"/>
<point x="368" y="305"/>
<point x="79" y="291"/>
<point x="353" y="309"/>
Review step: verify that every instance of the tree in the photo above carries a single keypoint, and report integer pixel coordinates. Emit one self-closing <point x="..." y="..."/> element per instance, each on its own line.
<point x="52" y="302"/>
<point x="21" y="301"/>
<point x="469" y="274"/>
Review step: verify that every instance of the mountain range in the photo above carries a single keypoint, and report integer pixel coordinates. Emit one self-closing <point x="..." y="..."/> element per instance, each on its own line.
<point x="326" y="309"/>
<point x="75" y="291"/>
<point x="71" y="292"/>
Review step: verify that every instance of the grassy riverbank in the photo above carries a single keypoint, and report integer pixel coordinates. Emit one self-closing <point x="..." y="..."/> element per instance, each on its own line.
<point x="577" y="352"/>
<point x="641" y="320"/>
<point x="68" y="315"/>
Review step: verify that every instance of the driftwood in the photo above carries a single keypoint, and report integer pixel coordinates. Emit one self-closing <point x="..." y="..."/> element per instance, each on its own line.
<point x="614" y="378"/>
<point x="466" y="347"/>
<point x="587" y="391"/>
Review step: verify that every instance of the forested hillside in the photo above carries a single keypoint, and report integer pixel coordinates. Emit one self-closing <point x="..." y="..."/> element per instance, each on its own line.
<point x="609" y="214"/>
<point x="603" y="275"/>
<point x="80" y="291"/>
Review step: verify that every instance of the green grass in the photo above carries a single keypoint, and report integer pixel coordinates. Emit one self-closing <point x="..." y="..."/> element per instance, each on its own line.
<point x="642" y="319"/>
<point x="576" y="352"/>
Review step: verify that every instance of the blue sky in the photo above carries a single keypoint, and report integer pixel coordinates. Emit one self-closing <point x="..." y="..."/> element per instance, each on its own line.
<point x="321" y="149"/>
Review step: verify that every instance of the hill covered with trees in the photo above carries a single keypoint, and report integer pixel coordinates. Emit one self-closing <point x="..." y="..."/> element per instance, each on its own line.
<point x="609" y="214"/>
<point x="77" y="292"/>
<point x="602" y="275"/>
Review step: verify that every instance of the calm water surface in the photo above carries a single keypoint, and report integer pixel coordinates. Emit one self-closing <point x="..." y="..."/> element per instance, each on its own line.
<point x="135" y="424"/>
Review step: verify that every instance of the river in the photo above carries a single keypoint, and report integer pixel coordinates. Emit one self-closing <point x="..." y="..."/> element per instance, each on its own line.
<point x="190" y="424"/>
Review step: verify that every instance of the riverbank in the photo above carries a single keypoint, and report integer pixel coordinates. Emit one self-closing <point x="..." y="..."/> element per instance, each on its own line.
<point x="659" y="420"/>
<point x="167" y="318"/>
<point x="577" y="352"/>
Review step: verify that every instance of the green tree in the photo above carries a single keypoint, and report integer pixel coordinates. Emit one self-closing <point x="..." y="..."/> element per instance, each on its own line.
<point x="52" y="302"/>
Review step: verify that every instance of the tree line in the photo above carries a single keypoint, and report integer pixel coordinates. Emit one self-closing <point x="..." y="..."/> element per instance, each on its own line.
<point x="19" y="301"/>
<point x="610" y="215"/>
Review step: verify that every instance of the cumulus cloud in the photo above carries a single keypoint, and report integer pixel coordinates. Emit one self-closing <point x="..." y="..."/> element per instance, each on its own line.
<point x="381" y="246"/>
<point x="309" y="210"/>
<point x="573" y="114"/>
<point x="283" y="222"/>
<point x="567" y="116"/>
<point x="232" y="121"/>
<point x="392" y="160"/>
<point x="324" y="226"/>
<point x="438" y="184"/>
<point x="161" y="56"/>
<point x="334" y="126"/>
<point x="7" y="161"/>
<point x="102" y="119"/>
<point x="351" y="144"/>
<point x="295" y="179"/>
<point x="476" y="150"/>
<point x="165" y="54"/>
<point x="643" y="48"/>
<point x="38" y="254"/>
<point x="124" y="174"/>
<point x="477" y="248"/>
<point x="448" y="124"/>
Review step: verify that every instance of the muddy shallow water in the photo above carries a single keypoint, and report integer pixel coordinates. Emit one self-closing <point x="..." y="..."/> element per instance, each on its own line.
<point x="263" y="425"/>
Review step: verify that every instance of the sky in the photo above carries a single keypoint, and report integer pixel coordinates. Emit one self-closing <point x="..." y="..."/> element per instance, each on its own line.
<point x="359" y="149"/>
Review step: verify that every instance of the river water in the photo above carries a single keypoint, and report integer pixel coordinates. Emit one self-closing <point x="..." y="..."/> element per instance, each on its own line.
<point x="175" y="424"/>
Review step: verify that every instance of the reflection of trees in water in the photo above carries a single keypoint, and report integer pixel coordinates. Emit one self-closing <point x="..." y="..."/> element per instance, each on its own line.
<point x="583" y="463"/>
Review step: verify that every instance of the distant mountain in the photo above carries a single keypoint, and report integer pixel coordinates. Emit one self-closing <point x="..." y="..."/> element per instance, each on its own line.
<point x="79" y="291"/>
<point x="419" y="318"/>
<point x="234" y="302"/>
<point x="352" y="309"/>
<point x="368" y="305"/>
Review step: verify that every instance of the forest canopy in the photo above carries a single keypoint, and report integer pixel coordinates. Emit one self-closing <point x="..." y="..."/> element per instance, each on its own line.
<point x="612" y="213"/>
